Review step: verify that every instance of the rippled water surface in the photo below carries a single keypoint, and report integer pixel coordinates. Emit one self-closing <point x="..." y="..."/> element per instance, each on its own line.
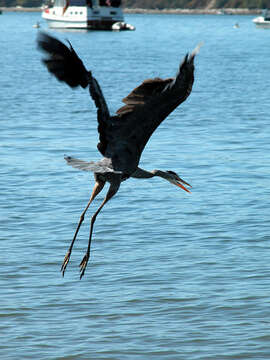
<point x="172" y="276"/>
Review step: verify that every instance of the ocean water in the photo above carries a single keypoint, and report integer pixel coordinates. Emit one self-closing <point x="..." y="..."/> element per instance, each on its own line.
<point x="173" y="276"/>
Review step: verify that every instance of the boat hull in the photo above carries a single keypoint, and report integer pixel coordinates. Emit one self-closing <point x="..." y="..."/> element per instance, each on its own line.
<point x="82" y="17"/>
<point x="260" y="22"/>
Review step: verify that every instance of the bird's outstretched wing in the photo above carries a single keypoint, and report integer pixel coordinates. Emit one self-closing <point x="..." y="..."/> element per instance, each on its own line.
<point x="146" y="107"/>
<point x="65" y="65"/>
<point x="152" y="90"/>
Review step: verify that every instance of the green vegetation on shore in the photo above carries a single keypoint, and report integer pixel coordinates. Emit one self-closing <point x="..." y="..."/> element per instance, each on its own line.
<point x="196" y="4"/>
<point x="164" y="4"/>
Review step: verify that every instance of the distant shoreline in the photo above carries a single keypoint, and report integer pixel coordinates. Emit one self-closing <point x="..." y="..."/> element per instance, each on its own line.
<point x="195" y="11"/>
<point x="156" y="11"/>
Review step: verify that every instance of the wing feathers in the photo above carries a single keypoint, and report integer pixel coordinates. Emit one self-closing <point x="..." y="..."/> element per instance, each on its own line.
<point x="89" y="166"/>
<point x="63" y="62"/>
<point x="150" y="89"/>
<point x="141" y="94"/>
<point x="103" y="114"/>
<point x="151" y="102"/>
<point x="65" y="65"/>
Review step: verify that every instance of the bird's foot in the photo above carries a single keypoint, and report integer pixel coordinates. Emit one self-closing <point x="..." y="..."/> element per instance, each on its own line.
<point x="65" y="262"/>
<point x="83" y="264"/>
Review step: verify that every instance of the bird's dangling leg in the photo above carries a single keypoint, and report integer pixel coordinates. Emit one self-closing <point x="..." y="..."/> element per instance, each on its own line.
<point x="111" y="192"/>
<point x="97" y="188"/>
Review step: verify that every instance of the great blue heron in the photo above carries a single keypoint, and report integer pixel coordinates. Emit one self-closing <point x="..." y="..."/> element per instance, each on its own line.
<point x="122" y="137"/>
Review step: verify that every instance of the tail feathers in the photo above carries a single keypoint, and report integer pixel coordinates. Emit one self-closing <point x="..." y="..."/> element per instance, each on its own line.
<point x="63" y="62"/>
<point x="89" y="166"/>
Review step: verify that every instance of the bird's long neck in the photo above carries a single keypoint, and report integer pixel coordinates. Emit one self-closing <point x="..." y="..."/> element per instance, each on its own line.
<point x="159" y="173"/>
<point x="144" y="174"/>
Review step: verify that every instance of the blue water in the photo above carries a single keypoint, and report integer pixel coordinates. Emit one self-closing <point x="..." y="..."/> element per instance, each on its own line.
<point x="172" y="276"/>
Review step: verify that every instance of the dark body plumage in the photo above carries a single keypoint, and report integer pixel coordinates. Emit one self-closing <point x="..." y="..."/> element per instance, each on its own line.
<point x="122" y="137"/>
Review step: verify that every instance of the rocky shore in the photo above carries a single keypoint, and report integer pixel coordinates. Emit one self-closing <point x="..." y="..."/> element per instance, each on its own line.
<point x="226" y="11"/>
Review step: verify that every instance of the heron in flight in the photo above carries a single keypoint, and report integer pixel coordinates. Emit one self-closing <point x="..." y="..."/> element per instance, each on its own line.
<point x="122" y="137"/>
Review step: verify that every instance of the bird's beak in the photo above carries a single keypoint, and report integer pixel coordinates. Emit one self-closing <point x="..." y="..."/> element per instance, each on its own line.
<point x="179" y="182"/>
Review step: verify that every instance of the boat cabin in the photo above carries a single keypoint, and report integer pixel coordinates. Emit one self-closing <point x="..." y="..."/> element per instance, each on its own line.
<point x="266" y="15"/>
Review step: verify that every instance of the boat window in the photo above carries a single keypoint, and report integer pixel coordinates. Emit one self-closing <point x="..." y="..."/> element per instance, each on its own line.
<point x="113" y="12"/>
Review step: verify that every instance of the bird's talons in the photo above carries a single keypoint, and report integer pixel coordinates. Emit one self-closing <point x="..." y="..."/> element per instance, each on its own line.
<point x="65" y="262"/>
<point x="83" y="265"/>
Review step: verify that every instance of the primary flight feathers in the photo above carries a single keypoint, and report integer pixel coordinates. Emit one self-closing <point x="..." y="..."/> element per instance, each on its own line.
<point x="63" y="62"/>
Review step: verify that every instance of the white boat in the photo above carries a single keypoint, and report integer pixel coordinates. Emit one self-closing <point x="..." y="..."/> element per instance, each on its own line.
<point x="83" y="14"/>
<point x="263" y="21"/>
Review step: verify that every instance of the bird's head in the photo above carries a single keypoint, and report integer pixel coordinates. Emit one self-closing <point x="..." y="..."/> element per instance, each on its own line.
<point x="175" y="179"/>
